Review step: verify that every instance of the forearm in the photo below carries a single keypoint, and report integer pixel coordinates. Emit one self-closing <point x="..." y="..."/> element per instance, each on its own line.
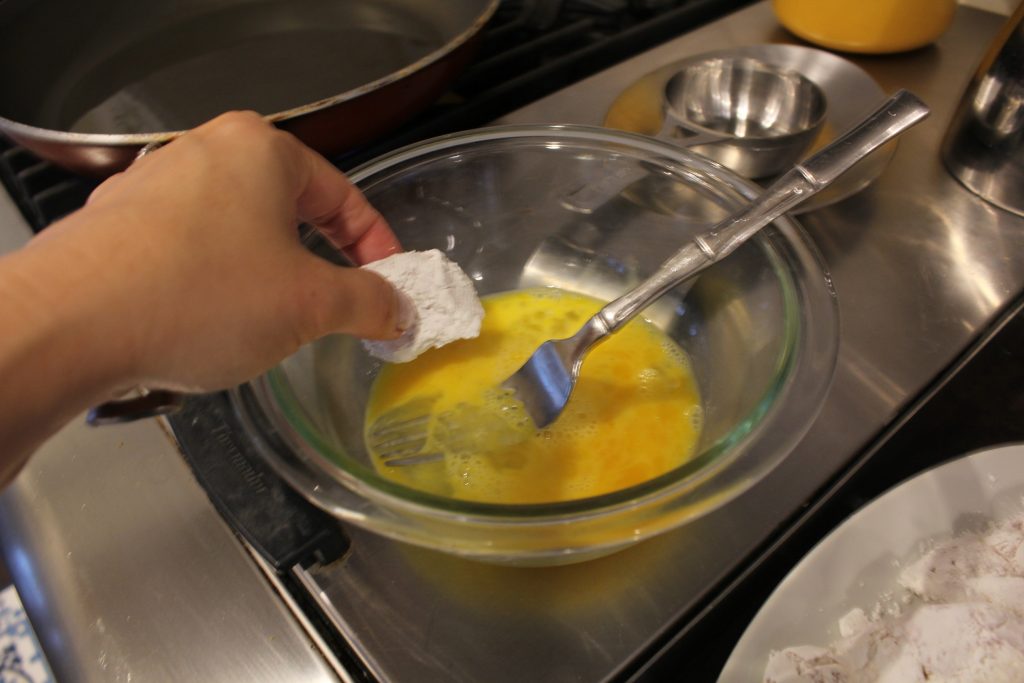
<point x="59" y="353"/>
<point x="184" y="272"/>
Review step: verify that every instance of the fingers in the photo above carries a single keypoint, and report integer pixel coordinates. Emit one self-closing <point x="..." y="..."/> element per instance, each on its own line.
<point x="375" y="243"/>
<point x="323" y="196"/>
<point x="347" y="301"/>
<point x="327" y="200"/>
<point x="104" y="188"/>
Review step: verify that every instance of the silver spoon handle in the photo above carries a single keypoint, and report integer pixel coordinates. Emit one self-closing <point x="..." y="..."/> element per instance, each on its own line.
<point x="899" y="112"/>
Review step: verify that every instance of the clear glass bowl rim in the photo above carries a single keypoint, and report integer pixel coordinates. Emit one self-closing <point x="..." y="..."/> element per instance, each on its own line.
<point x="310" y="471"/>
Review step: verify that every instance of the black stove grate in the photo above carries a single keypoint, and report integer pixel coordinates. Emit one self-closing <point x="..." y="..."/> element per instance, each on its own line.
<point x="529" y="49"/>
<point x="533" y="48"/>
<point x="42" y="191"/>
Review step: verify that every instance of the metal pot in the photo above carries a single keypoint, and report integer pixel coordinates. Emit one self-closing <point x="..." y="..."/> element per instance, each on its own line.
<point x="87" y="85"/>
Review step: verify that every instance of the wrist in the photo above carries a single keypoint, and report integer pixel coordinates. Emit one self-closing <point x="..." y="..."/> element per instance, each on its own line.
<point x="66" y="317"/>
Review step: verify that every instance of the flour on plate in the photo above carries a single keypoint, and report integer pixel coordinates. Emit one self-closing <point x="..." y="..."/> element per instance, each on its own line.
<point x="962" y="622"/>
<point x="438" y="304"/>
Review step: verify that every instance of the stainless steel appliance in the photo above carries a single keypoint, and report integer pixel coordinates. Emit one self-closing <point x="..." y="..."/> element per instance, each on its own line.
<point x="135" y="564"/>
<point x="983" y="145"/>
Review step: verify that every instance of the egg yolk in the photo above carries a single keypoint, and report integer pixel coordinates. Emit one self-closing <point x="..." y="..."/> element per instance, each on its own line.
<point x="635" y="412"/>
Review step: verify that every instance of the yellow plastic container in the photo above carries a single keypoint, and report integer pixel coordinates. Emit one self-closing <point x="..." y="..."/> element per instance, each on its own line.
<point x="868" y="26"/>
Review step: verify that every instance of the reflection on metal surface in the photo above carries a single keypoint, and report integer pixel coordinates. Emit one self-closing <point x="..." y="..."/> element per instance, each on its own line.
<point x="128" y="573"/>
<point x="984" y="147"/>
<point x="954" y="254"/>
<point x="454" y="620"/>
<point x="974" y="272"/>
<point x="301" y="617"/>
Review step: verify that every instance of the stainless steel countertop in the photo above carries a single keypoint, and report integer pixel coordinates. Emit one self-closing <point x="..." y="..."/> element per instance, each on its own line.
<point x="921" y="267"/>
<point x="129" y="574"/>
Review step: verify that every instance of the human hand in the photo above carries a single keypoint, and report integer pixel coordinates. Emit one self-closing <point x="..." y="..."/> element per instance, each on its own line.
<point x="193" y="261"/>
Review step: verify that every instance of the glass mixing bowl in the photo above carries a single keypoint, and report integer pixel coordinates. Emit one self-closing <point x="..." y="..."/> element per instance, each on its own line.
<point x="594" y="211"/>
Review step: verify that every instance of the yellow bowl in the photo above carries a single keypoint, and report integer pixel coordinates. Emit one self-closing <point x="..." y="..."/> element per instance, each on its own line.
<point x="867" y="26"/>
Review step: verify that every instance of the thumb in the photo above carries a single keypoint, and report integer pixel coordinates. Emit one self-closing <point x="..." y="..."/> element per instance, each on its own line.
<point x="350" y="301"/>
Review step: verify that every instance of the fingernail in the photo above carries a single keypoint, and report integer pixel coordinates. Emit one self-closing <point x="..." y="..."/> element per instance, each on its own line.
<point x="406" y="315"/>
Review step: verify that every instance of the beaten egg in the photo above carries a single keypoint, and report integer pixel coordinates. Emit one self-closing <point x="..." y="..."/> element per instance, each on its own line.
<point x="635" y="412"/>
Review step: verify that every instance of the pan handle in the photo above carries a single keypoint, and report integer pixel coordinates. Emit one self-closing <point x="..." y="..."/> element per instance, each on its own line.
<point x="149" y="147"/>
<point x="149" y="404"/>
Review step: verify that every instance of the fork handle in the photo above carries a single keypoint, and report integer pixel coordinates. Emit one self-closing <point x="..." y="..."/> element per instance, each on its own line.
<point x="895" y="115"/>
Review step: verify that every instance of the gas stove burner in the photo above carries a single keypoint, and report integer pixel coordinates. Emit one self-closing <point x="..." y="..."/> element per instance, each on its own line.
<point x="543" y="14"/>
<point x="849" y="93"/>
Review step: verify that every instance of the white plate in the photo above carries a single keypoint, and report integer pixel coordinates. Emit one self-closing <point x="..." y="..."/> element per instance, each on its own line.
<point x="859" y="562"/>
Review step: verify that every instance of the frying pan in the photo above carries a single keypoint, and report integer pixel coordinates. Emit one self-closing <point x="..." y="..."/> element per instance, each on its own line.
<point x="86" y="85"/>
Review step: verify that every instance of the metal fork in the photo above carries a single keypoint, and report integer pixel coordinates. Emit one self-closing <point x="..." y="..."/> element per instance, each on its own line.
<point x="544" y="383"/>
<point x="414" y="433"/>
<point x="401" y="436"/>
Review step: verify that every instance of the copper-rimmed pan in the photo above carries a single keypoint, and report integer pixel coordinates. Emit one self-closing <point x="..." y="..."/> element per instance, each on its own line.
<point x="88" y="84"/>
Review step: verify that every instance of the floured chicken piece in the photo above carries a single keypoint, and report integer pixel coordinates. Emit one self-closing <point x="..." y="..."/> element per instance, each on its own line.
<point x="438" y="304"/>
<point x="804" y="664"/>
<point x="941" y="575"/>
<point x="965" y="622"/>
<point x="955" y="643"/>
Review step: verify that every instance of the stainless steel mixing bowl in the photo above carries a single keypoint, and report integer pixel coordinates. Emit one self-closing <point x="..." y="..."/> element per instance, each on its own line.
<point x="548" y="206"/>
<point x="752" y="117"/>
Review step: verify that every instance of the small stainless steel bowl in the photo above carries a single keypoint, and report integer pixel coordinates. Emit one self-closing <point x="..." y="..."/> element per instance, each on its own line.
<point x="752" y="117"/>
